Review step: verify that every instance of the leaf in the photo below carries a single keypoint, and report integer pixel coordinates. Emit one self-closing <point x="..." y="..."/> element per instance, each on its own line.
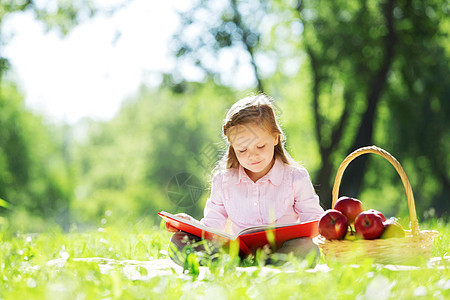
<point x="4" y="204"/>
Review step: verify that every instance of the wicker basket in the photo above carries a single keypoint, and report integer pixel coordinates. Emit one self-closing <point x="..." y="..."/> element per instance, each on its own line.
<point x="415" y="247"/>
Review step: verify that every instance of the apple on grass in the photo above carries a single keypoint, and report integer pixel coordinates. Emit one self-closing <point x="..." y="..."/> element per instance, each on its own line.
<point x="333" y="224"/>
<point x="369" y="225"/>
<point x="350" y="207"/>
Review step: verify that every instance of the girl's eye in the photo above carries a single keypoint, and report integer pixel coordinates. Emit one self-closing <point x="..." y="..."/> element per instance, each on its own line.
<point x="242" y="151"/>
<point x="260" y="147"/>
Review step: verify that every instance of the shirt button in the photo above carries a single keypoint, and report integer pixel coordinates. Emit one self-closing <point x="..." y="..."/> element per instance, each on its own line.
<point x="254" y="203"/>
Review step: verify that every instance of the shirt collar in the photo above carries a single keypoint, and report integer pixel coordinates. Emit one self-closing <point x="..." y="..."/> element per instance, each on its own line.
<point x="275" y="175"/>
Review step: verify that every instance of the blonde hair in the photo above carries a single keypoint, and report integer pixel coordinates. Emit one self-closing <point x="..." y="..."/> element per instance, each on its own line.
<point x="259" y="110"/>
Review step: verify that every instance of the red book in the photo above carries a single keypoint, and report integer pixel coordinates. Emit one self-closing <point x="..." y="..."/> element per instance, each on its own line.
<point x="250" y="238"/>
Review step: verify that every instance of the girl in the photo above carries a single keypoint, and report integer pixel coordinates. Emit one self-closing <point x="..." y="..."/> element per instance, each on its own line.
<point x="256" y="182"/>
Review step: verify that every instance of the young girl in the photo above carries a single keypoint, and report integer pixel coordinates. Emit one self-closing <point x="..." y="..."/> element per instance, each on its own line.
<point x="256" y="182"/>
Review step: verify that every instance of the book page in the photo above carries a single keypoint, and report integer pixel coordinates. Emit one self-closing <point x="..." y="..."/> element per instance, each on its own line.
<point x="259" y="228"/>
<point x="198" y="225"/>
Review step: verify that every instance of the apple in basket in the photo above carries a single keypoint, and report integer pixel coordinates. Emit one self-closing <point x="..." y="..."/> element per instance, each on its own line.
<point x="392" y="229"/>
<point x="333" y="224"/>
<point x="369" y="225"/>
<point x="378" y="213"/>
<point x="350" y="207"/>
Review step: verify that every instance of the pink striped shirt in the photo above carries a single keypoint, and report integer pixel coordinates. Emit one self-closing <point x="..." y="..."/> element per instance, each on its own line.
<point x="285" y="195"/>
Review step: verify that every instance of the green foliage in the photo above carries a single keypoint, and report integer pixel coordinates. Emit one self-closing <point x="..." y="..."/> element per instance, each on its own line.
<point x="4" y="204"/>
<point x="34" y="174"/>
<point x="58" y="15"/>
<point x="62" y="15"/>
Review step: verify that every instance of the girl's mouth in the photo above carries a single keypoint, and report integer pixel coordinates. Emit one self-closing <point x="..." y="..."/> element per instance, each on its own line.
<point x="255" y="163"/>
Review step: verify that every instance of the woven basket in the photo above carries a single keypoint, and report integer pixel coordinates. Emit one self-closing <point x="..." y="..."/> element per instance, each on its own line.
<point x="411" y="249"/>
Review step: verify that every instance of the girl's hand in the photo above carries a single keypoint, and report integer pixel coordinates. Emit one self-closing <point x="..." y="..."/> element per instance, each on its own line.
<point x="170" y="228"/>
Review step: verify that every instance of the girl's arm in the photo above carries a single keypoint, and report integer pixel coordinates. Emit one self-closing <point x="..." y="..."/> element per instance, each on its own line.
<point x="306" y="201"/>
<point x="215" y="214"/>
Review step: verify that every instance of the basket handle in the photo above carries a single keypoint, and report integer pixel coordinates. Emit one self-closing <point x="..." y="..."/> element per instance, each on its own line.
<point x="373" y="149"/>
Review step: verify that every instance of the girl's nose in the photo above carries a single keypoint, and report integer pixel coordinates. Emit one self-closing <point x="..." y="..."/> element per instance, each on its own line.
<point x="252" y="154"/>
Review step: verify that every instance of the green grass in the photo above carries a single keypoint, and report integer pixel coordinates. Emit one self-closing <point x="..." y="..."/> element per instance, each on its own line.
<point x="25" y="271"/>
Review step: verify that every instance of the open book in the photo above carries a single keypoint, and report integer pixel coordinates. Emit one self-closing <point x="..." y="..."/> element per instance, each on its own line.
<point x="250" y="238"/>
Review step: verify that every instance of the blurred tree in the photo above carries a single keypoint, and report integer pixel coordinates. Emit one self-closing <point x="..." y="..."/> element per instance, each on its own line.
<point x="203" y="38"/>
<point x="60" y="15"/>
<point x="34" y="165"/>
<point x="418" y="98"/>
<point x="33" y="174"/>
<point x="156" y="154"/>
<point x="361" y="54"/>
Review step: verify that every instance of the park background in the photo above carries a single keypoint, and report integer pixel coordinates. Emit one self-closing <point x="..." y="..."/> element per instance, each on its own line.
<point x="111" y="110"/>
<point x="343" y="74"/>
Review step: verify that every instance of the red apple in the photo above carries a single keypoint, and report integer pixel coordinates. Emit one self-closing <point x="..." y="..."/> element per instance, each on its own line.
<point x="350" y="207"/>
<point x="369" y="225"/>
<point x="333" y="225"/>
<point x="378" y="213"/>
<point x="392" y="229"/>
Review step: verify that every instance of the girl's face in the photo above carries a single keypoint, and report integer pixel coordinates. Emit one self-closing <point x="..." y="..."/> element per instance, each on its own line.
<point x="254" y="148"/>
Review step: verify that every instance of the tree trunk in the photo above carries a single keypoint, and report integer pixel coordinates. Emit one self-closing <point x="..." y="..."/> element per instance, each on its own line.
<point x="354" y="173"/>
<point x="326" y="148"/>
<point x="250" y="48"/>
